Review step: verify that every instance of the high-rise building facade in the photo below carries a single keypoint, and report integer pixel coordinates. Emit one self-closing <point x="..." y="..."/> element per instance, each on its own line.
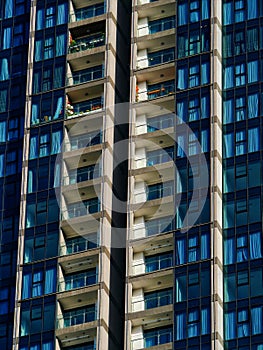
<point x="130" y="169"/>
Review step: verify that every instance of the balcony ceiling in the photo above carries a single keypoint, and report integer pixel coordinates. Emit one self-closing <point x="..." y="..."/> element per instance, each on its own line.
<point x="156" y="10"/>
<point x="88" y="58"/>
<point x="156" y="74"/>
<point x="85" y="3"/>
<point x="157" y="41"/>
<point x="80" y="30"/>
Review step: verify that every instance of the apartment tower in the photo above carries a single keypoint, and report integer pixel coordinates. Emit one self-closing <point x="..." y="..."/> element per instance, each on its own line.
<point x="131" y="178"/>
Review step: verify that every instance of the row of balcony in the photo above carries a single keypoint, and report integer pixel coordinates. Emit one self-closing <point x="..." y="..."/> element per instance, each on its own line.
<point x="154" y="26"/>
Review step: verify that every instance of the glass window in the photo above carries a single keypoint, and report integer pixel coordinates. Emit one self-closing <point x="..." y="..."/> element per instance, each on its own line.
<point x="240" y="74"/>
<point x="13" y="129"/>
<point x="158" y="262"/>
<point x="48" y="47"/>
<point x="162" y="56"/>
<point x="240" y="44"/>
<point x="18" y="36"/>
<point x="40" y="246"/>
<point x="240" y="108"/>
<point x="4" y="298"/>
<point x="252" y="39"/>
<point x="242" y="324"/>
<point x="193" y="249"/>
<point x="11" y="163"/>
<point x="50" y="16"/>
<point x="19" y="7"/>
<point x="158" y="299"/>
<point x="194" y="11"/>
<point x="242" y="247"/>
<point x="239" y="8"/>
<point x="157" y="336"/>
<point x="193" y="324"/>
<point x="242" y="284"/>
<point x="194" y="43"/>
<point x="36" y="318"/>
<point x="161" y="24"/>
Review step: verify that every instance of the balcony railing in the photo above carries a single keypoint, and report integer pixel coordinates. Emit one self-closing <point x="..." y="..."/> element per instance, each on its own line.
<point x="153" y="302"/>
<point x="76" y="317"/>
<point x="91" y="206"/>
<point x="161" y="89"/>
<point x="157" y="338"/>
<point x="157" y="226"/>
<point x="157" y="26"/>
<point x="161" y="122"/>
<point x="79" y="244"/>
<point x="160" y="156"/>
<point x="87" y="43"/>
<point x="153" y="263"/>
<point x="155" y="58"/>
<point x="84" y="108"/>
<point x="160" y="191"/>
<point x="82" y="174"/>
<point x="89" y="346"/>
<point x="90" y="139"/>
<point x="77" y="281"/>
<point x="86" y="75"/>
<point x="158" y="263"/>
<point x="155" y="192"/>
<point x="153" y="227"/>
<point x="88" y="12"/>
<point x="160" y="25"/>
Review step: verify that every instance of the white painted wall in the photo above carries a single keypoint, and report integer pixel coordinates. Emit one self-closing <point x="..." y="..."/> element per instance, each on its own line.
<point x="138" y="263"/>
<point x="139" y="228"/>
<point x="141" y="124"/>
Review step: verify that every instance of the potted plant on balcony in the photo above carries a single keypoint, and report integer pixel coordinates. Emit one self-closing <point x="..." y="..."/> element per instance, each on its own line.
<point x="73" y="43"/>
<point x="69" y="110"/>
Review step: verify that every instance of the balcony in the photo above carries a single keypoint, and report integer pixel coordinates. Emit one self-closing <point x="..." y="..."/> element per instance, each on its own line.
<point x="84" y="108"/>
<point x="87" y="43"/>
<point x="77" y="317"/>
<point x="153" y="263"/>
<point x="156" y="58"/>
<point x="90" y="206"/>
<point x="82" y="174"/>
<point x="70" y="282"/>
<point x="160" y="156"/>
<point x="79" y="244"/>
<point x="153" y="300"/>
<point x="160" y="190"/>
<point x="86" y="75"/>
<point x="152" y="227"/>
<point x="158" y="226"/>
<point x="160" y="122"/>
<point x="156" y="26"/>
<point x="153" y="338"/>
<point x="160" y="89"/>
<point x="88" y="12"/>
<point x="153" y="91"/>
<point x="83" y="141"/>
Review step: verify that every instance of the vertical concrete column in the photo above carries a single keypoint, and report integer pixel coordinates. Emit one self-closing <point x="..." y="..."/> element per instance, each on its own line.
<point x="216" y="176"/>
